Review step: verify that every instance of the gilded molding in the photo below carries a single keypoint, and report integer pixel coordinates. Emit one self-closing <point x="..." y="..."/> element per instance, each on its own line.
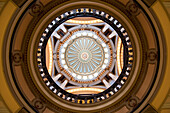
<point x="36" y="8"/>
<point x="23" y="110"/>
<point x="149" y="109"/>
<point x="37" y="11"/>
<point x="149" y="3"/>
<point x="17" y="57"/>
<point x="19" y="3"/>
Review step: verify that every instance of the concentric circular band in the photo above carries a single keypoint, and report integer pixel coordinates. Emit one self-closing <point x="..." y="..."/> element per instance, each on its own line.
<point x="63" y="66"/>
<point x="84" y="54"/>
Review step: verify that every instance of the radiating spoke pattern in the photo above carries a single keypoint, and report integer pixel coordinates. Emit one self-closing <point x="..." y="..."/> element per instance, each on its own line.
<point x="85" y="55"/>
<point x="85" y="58"/>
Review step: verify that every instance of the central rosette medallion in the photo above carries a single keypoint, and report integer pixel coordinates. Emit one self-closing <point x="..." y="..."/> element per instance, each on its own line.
<point x="84" y="55"/>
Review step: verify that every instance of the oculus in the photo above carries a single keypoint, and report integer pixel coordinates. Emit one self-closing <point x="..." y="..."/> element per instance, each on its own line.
<point x="85" y="56"/>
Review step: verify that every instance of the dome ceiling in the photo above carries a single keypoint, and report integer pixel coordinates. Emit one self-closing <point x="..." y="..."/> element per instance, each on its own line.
<point x="84" y="56"/>
<point x="87" y="55"/>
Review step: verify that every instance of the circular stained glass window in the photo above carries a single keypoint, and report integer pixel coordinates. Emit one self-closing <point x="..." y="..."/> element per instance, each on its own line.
<point x="85" y="56"/>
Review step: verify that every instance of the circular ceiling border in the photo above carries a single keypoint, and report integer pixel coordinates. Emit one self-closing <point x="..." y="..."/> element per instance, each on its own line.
<point x="151" y="52"/>
<point x="127" y="64"/>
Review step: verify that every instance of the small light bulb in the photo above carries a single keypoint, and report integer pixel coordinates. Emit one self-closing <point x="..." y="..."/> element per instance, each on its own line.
<point x="73" y="37"/>
<point x="103" y="44"/>
<point x="79" y="77"/>
<point x="63" y="62"/>
<point x="84" y="77"/>
<point x="74" y="75"/>
<point x="63" y="50"/>
<point x="95" y="36"/>
<point x="105" y="49"/>
<point x="106" y="61"/>
<point x="84" y="33"/>
<point x="90" y="34"/>
<point x="90" y="76"/>
<point x="106" y="55"/>
<point x="65" y="45"/>
<point x="65" y="66"/>
<point x="62" y="55"/>
<point x="96" y="74"/>
<point x="104" y="66"/>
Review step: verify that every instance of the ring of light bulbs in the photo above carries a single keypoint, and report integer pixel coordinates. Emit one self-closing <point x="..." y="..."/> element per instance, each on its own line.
<point x="84" y="41"/>
<point x="111" y="90"/>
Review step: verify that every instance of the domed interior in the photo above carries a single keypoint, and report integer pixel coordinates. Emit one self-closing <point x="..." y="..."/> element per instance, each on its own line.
<point x="84" y="55"/>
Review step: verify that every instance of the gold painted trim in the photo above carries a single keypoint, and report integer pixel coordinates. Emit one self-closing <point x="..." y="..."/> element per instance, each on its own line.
<point x="6" y="94"/>
<point x="165" y="24"/>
